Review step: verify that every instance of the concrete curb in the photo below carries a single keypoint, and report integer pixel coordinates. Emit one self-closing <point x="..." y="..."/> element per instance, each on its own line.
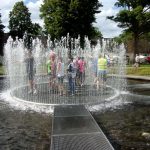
<point x="146" y="78"/>
<point x="2" y="77"/>
<point x="138" y="77"/>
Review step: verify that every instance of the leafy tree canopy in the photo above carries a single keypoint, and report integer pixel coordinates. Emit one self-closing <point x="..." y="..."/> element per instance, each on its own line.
<point x="1" y="36"/>
<point x="37" y="29"/>
<point x="134" y="17"/>
<point x="20" y="21"/>
<point x="123" y="38"/>
<point x="1" y="26"/>
<point x="69" y="16"/>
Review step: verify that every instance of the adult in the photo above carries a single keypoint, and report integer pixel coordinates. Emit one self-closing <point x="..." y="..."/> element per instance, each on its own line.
<point x="48" y="64"/>
<point x="60" y="76"/>
<point x="102" y="71"/>
<point x="30" y="69"/>
<point x="93" y="67"/>
<point x="52" y="54"/>
<point x="52" y="69"/>
<point x="81" y="67"/>
<point x="83" y="70"/>
<point x="71" y="76"/>
<point x="137" y="61"/>
<point x="77" y="80"/>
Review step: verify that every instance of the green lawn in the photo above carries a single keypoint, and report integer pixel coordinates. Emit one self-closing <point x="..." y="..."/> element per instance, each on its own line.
<point x="143" y="70"/>
<point x="140" y="71"/>
<point x="2" y="72"/>
<point x="141" y="65"/>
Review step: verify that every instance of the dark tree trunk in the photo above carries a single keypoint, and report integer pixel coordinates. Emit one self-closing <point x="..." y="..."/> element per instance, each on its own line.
<point x="135" y="45"/>
<point x="1" y="44"/>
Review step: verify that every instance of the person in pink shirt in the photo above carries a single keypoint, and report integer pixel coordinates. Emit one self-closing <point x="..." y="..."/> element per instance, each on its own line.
<point x="81" y="68"/>
<point x="53" y="69"/>
<point x="77" y="80"/>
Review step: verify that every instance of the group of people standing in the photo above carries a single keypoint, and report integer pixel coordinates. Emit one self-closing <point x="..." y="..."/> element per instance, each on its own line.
<point x="74" y="71"/>
<point x="56" y="70"/>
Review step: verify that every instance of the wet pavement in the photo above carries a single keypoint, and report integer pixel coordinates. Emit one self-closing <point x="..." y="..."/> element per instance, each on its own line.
<point x="23" y="130"/>
<point x="125" y="126"/>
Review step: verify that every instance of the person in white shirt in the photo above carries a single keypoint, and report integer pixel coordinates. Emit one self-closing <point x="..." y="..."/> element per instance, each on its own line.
<point x="60" y="76"/>
<point x="137" y="61"/>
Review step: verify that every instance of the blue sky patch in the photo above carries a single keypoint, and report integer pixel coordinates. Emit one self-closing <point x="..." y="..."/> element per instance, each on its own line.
<point x="27" y="1"/>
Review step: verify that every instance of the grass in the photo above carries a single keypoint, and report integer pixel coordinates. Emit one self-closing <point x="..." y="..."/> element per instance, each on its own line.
<point x="143" y="70"/>
<point x="2" y="72"/>
<point x="140" y="71"/>
<point x="141" y="65"/>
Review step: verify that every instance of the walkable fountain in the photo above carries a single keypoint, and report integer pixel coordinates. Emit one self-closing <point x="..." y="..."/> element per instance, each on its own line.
<point x="73" y="126"/>
<point x="15" y="54"/>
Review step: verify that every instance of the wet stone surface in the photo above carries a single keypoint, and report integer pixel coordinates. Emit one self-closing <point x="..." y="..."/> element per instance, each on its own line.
<point x="126" y="126"/>
<point x="23" y="130"/>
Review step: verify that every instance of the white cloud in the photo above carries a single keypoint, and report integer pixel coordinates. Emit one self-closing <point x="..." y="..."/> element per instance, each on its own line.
<point x="7" y="5"/>
<point x="34" y="9"/>
<point x="107" y="27"/>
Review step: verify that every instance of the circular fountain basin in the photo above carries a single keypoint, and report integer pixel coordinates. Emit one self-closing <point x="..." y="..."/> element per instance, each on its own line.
<point x="47" y="96"/>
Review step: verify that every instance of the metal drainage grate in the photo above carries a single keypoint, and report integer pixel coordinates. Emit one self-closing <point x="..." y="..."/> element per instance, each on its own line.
<point x="74" y="128"/>
<point x="62" y="111"/>
<point x="81" y="142"/>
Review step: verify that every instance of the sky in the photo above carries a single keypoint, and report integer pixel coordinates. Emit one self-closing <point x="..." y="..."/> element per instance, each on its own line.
<point x="108" y="28"/>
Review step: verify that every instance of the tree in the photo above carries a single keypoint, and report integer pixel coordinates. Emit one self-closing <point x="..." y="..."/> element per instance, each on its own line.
<point x="20" y="21"/>
<point x="69" y="16"/>
<point x="134" y="18"/>
<point x="95" y="35"/>
<point x="1" y="26"/>
<point x="1" y="36"/>
<point x="123" y="38"/>
<point x="36" y="29"/>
